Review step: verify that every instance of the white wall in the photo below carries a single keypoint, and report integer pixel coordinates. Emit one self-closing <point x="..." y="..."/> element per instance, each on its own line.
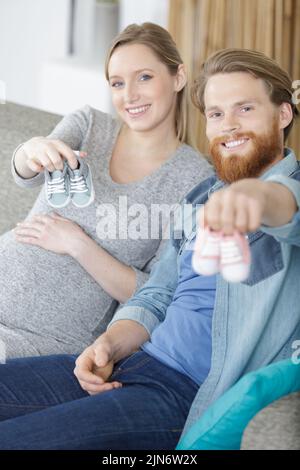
<point x="34" y="37"/>
<point x="31" y="31"/>
<point x="139" y="11"/>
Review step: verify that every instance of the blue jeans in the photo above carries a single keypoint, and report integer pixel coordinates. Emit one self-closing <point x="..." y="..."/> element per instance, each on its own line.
<point x="42" y="405"/>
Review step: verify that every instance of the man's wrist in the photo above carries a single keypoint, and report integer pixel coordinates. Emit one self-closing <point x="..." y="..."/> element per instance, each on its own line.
<point x="108" y="340"/>
<point x="280" y="204"/>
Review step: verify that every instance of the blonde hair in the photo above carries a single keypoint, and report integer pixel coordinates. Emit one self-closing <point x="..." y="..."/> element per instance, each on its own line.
<point x="161" y="43"/>
<point x="277" y="80"/>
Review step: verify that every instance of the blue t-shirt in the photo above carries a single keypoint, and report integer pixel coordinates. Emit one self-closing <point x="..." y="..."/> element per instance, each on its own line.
<point x="183" y="340"/>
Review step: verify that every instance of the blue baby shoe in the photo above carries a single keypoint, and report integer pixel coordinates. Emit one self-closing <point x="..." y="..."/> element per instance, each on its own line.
<point x="57" y="187"/>
<point x="81" y="184"/>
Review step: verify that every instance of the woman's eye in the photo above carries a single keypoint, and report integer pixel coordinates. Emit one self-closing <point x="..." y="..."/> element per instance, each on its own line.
<point x="116" y="84"/>
<point x="145" y="77"/>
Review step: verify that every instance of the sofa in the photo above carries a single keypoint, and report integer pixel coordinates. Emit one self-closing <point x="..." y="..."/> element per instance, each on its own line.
<point x="18" y="124"/>
<point x="275" y="427"/>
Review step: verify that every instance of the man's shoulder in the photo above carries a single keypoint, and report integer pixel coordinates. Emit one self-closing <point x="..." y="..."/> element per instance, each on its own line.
<point x="200" y="190"/>
<point x="296" y="174"/>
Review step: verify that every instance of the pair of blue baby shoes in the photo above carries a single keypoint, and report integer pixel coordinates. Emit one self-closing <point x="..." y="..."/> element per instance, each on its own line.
<point x="63" y="186"/>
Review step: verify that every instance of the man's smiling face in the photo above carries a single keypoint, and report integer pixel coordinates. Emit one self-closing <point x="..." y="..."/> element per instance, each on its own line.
<point x="244" y="128"/>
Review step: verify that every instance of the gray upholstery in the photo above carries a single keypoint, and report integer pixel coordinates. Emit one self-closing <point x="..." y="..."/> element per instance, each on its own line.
<point x="275" y="427"/>
<point x="18" y="124"/>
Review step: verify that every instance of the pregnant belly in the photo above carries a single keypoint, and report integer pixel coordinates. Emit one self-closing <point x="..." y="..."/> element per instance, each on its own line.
<point x="47" y="293"/>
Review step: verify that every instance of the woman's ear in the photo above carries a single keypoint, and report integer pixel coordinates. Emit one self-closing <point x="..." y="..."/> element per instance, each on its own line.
<point x="181" y="78"/>
<point x="285" y="115"/>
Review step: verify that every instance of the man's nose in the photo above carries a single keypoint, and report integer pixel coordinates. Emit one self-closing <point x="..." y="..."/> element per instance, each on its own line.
<point x="230" y="123"/>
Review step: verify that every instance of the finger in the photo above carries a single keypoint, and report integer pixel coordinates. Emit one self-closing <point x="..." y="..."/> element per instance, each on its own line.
<point x="31" y="224"/>
<point x="212" y="210"/>
<point x="115" y="384"/>
<point x="41" y="219"/>
<point x="88" y="377"/>
<point x="105" y="388"/>
<point x="34" y="165"/>
<point x="27" y="231"/>
<point x="241" y="220"/>
<point x="28" y="240"/>
<point x="55" y="157"/>
<point x="102" y="357"/>
<point x="254" y="216"/>
<point x="54" y="215"/>
<point x="200" y="222"/>
<point x="99" y="387"/>
<point x="67" y="153"/>
<point x="88" y="387"/>
<point x="227" y="214"/>
<point x="200" y="225"/>
<point x="45" y="161"/>
<point x="84" y="373"/>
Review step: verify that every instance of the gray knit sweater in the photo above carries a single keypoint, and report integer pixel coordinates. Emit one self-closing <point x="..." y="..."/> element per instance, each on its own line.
<point x="49" y="304"/>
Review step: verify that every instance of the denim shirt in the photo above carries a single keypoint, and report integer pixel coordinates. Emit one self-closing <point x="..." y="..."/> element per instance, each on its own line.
<point x="254" y="322"/>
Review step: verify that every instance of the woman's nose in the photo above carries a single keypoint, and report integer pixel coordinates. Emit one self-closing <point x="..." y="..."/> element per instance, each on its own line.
<point x="131" y="94"/>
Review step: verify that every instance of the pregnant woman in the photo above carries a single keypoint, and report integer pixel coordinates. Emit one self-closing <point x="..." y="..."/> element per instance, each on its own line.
<point x="61" y="278"/>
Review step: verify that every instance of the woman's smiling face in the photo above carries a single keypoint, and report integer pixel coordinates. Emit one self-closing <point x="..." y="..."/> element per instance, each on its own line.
<point x="144" y="93"/>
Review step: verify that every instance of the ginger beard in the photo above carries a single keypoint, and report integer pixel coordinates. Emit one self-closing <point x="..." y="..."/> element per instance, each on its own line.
<point x="265" y="149"/>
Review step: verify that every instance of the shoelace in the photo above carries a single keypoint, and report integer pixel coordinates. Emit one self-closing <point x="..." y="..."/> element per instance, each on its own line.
<point x="78" y="185"/>
<point x="230" y="252"/>
<point x="57" y="185"/>
<point x="211" y="247"/>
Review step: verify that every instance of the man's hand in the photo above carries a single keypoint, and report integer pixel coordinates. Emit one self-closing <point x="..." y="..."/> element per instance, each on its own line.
<point x="94" y="367"/>
<point x="247" y="204"/>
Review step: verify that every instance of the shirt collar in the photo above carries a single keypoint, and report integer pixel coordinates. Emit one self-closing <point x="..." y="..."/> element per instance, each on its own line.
<point x="286" y="166"/>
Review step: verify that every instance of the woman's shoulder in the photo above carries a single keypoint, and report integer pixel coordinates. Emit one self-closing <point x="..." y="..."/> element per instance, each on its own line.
<point x="90" y="119"/>
<point x="191" y="160"/>
<point x="100" y="119"/>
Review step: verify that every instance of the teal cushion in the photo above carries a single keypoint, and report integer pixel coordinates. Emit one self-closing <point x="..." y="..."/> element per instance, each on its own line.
<point x="222" y="425"/>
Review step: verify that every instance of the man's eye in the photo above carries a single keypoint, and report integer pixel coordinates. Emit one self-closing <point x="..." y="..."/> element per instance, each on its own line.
<point x="214" y="115"/>
<point x="246" y="108"/>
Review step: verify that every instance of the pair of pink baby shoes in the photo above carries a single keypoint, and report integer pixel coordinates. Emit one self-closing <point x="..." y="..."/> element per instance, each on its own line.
<point x="228" y="254"/>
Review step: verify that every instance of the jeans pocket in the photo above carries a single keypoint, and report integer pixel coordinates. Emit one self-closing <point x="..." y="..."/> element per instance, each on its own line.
<point x="119" y="366"/>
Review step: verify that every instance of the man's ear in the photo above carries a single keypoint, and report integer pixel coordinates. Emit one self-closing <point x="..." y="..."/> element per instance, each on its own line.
<point x="181" y="78"/>
<point x="285" y="115"/>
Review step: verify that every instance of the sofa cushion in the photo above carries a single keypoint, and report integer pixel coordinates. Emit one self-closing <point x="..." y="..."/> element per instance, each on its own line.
<point x="223" y="423"/>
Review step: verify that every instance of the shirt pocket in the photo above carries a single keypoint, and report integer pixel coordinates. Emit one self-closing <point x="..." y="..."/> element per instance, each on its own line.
<point x="266" y="258"/>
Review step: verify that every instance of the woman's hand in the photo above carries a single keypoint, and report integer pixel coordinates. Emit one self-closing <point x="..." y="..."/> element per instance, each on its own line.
<point x="94" y="367"/>
<point x="39" y="153"/>
<point x="51" y="232"/>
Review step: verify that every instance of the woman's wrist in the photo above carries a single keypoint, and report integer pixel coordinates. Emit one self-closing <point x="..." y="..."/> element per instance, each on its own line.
<point x="79" y="245"/>
<point x="125" y="338"/>
<point x="20" y="164"/>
